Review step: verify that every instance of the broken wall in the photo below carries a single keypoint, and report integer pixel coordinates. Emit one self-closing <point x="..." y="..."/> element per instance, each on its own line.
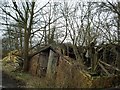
<point x="68" y="75"/>
<point x="72" y="76"/>
<point x="38" y="64"/>
<point x="33" y="65"/>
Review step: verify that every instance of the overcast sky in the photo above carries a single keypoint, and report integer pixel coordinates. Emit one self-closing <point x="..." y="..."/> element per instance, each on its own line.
<point x="41" y="3"/>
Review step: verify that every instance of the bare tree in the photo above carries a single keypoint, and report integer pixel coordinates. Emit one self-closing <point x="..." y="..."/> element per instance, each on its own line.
<point x="25" y="17"/>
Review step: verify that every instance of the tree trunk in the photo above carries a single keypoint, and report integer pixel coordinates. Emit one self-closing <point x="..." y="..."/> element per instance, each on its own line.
<point x="118" y="59"/>
<point x="118" y="23"/>
<point x="118" y="29"/>
<point x="77" y="55"/>
<point x="26" y="50"/>
<point x="104" y="54"/>
<point x="26" y="64"/>
<point x="21" y="41"/>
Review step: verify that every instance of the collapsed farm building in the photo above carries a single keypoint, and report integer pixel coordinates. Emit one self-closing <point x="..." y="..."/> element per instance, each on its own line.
<point x="96" y="67"/>
<point x="99" y="68"/>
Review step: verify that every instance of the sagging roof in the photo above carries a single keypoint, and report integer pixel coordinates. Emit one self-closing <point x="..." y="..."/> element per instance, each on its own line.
<point x="44" y="49"/>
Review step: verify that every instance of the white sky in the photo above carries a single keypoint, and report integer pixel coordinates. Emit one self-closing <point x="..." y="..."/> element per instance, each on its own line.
<point x="43" y="2"/>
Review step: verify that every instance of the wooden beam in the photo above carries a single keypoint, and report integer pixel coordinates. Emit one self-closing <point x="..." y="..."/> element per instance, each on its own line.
<point x="115" y="68"/>
<point x="103" y="68"/>
<point x="52" y="63"/>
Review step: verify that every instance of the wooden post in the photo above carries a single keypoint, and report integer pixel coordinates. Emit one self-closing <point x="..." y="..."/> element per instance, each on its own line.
<point x="104" y="54"/>
<point x="118" y="59"/>
<point x="51" y="67"/>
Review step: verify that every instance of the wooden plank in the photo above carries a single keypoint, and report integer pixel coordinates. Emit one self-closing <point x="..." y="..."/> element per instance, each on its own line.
<point x="52" y="63"/>
<point x="105" y="70"/>
<point x="109" y="65"/>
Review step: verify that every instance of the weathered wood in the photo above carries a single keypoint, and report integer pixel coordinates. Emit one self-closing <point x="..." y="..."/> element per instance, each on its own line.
<point x="51" y="67"/>
<point x="62" y="56"/>
<point x="43" y="49"/>
<point x="104" y="54"/>
<point x="118" y="59"/>
<point x="105" y="70"/>
<point x="77" y="55"/>
<point x="96" y="60"/>
<point x="109" y="65"/>
<point x="43" y="62"/>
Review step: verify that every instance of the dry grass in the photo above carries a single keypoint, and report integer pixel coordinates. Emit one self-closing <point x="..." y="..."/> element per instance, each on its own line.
<point x="67" y="76"/>
<point x="29" y="80"/>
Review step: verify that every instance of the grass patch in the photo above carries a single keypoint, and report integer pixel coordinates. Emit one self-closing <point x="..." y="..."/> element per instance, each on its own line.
<point x="28" y="80"/>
